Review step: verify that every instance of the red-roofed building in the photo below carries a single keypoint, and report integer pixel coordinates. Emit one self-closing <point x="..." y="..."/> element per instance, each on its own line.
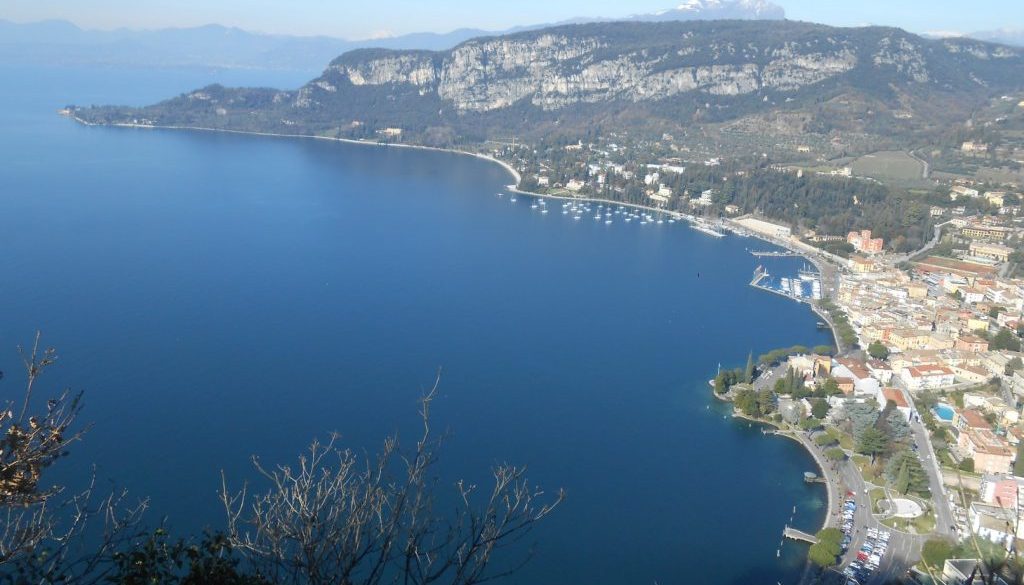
<point x="999" y="491"/>
<point x="971" y="343"/>
<point x="991" y="453"/>
<point x="969" y="418"/>
<point x="898" y="398"/>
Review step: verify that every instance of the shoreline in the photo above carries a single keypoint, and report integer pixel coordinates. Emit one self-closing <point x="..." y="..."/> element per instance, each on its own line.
<point x="830" y="485"/>
<point x="777" y="431"/>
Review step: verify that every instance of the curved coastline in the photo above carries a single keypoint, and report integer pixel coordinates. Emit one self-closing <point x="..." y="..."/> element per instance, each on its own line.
<point x="830" y="482"/>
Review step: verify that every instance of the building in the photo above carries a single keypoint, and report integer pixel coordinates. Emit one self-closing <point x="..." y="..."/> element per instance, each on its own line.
<point x="999" y="491"/>
<point x="765" y="228"/>
<point x="997" y="198"/>
<point x="974" y="147"/>
<point x="926" y="377"/>
<point x="991" y="453"/>
<point x="862" y="383"/>
<point x="967" y="342"/>
<point x="910" y="339"/>
<point x="863" y="242"/>
<point x="969" y="418"/>
<point x="391" y="132"/>
<point x="898" y="398"/>
<point x="962" y="571"/>
<point x="862" y="265"/>
<point x="991" y="251"/>
<point x="981" y="231"/>
<point x="959" y="191"/>
<point x="993" y="523"/>
<point x="575" y="185"/>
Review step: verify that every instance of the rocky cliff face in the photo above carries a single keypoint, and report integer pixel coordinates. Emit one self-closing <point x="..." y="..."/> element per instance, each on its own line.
<point x="655" y="74"/>
<point x="572" y="65"/>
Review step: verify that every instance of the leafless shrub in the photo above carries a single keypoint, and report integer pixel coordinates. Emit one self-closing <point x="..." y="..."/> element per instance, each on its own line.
<point x="42" y="526"/>
<point x="337" y="518"/>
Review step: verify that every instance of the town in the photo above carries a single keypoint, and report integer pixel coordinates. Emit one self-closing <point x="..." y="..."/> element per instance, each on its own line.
<point x="914" y="414"/>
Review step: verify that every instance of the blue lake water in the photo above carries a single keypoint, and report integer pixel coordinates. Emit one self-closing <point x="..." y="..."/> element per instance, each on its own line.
<point x="222" y="296"/>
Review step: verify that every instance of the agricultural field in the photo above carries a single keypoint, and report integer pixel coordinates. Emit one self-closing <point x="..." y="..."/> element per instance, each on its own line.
<point x="896" y="165"/>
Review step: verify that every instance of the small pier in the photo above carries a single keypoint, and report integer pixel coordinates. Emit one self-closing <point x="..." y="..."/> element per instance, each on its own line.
<point x="794" y="534"/>
<point x="759" y="275"/>
<point x="767" y="254"/>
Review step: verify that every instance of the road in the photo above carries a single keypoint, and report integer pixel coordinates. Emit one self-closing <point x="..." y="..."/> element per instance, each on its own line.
<point x="944" y="523"/>
<point x="931" y="244"/>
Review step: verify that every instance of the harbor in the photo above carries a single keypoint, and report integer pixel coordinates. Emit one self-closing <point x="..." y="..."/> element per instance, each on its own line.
<point x="793" y="288"/>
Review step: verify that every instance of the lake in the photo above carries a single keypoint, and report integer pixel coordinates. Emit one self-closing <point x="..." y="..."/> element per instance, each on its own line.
<point x="221" y="296"/>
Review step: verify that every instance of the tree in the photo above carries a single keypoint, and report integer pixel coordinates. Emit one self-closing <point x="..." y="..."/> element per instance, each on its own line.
<point x="824" y="350"/>
<point x="810" y="424"/>
<point x="936" y="552"/>
<point x="1005" y="339"/>
<point x="827" y="549"/>
<point x="872" y="442"/>
<point x="835" y="454"/>
<point x="819" y="408"/>
<point x="335" y="518"/>
<point x="966" y="464"/>
<point x="748" y="373"/>
<point x="878" y="350"/>
<point x="1013" y="365"/>
<point x="1018" y="465"/>
<point x="905" y="474"/>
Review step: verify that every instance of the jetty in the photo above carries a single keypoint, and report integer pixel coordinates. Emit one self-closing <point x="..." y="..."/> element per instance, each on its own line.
<point x="761" y="275"/>
<point x="781" y="254"/>
<point x="794" y="534"/>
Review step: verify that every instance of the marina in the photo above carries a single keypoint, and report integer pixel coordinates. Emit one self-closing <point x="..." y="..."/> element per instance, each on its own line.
<point x="794" y="288"/>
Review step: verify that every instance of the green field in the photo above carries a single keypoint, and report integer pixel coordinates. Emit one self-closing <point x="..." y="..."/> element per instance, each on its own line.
<point x="888" y="165"/>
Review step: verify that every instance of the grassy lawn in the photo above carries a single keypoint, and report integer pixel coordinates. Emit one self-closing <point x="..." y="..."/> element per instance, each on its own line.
<point x="845" y="441"/>
<point x="923" y="525"/>
<point x="867" y="470"/>
<point x="889" y="165"/>
<point x="876" y="496"/>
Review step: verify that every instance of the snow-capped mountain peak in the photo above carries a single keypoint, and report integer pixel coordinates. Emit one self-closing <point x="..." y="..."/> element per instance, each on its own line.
<point x="721" y="9"/>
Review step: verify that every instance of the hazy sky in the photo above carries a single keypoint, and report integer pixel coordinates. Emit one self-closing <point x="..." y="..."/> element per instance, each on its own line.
<point x="355" y="19"/>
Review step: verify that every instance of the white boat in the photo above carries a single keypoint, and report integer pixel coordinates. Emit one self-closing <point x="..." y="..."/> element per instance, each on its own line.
<point x="513" y="200"/>
<point x="534" y="206"/>
<point x="607" y="222"/>
<point x="544" y="211"/>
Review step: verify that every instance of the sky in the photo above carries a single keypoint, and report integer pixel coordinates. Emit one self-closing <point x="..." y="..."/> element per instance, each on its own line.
<point x="358" y="20"/>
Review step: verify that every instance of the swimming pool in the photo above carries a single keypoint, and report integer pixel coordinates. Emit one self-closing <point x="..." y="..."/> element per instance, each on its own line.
<point x="944" y="412"/>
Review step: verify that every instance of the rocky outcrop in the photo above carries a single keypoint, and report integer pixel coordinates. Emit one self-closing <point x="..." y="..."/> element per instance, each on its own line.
<point x="563" y="67"/>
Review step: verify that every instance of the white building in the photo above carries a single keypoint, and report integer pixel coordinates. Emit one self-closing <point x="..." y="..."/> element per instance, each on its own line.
<point x="926" y="377"/>
<point x="765" y="228"/>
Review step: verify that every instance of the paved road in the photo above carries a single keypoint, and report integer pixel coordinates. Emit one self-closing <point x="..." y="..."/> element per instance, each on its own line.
<point x="944" y="522"/>
<point x="894" y="260"/>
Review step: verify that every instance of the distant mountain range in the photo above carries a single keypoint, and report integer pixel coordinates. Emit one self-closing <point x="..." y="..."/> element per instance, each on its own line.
<point x="1007" y="36"/>
<point x="59" y="42"/>
<point x="644" y="78"/>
